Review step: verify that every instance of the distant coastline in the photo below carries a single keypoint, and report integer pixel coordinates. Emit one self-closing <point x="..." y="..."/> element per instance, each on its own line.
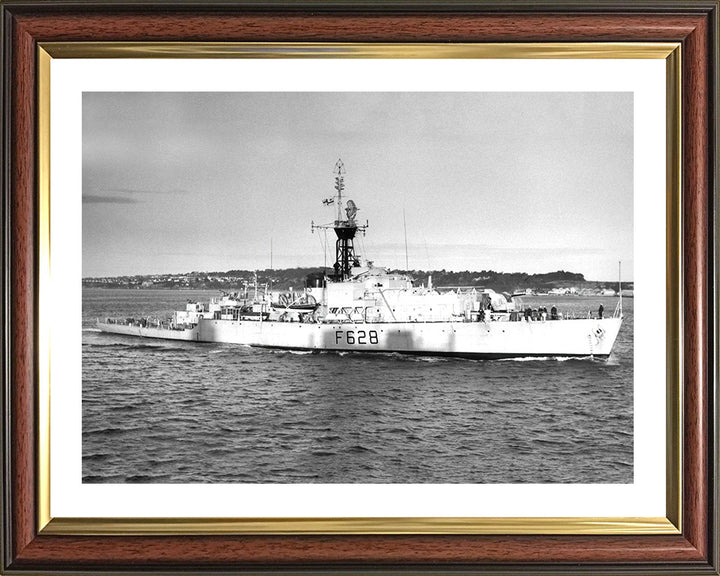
<point x="556" y="283"/>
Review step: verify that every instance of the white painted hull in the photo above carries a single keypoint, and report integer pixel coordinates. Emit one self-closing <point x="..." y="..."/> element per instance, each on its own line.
<point x="190" y="334"/>
<point x="582" y="337"/>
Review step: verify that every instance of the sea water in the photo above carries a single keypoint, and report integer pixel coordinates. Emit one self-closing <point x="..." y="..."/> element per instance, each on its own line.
<point x="185" y="412"/>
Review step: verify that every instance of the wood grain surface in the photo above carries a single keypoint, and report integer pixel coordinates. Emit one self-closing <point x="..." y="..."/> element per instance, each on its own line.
<point x="691" y="552"/>
<point x="696" y="196"/>
<point x="23" y="291"/>
<point x="360" y="28"/>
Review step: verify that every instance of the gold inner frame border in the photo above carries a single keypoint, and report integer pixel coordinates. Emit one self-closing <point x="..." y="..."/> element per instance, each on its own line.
<point x="670" y="524"/>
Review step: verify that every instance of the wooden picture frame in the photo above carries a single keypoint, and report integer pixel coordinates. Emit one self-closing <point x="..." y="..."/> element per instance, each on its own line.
<point x="30" y="545"/>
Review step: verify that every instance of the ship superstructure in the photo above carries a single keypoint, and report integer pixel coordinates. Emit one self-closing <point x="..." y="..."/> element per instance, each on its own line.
<point x="361" y="307"/>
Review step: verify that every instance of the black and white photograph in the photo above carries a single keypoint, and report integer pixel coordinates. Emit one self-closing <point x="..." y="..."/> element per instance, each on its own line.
<point x="357" y="287"/>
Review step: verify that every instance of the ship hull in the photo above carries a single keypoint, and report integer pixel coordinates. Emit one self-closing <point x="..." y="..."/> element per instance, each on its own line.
<point x="493" y="340"/>
<point x="188" y="334"/>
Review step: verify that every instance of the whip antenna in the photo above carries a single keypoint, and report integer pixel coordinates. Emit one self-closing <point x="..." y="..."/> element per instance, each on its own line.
<point x="407" y="267"/>
<point x="620" y="283"/>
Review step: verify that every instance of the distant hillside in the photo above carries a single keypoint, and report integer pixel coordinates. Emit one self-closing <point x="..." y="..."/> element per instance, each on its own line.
<point x="295" y="278"/>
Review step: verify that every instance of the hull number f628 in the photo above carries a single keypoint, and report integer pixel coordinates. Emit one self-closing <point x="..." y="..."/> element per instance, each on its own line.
<point x="356" y="337"/>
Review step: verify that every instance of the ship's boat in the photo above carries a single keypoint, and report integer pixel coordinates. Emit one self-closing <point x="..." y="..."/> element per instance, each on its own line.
<point x="361" y="307"/>
<point x="290" y="301"/>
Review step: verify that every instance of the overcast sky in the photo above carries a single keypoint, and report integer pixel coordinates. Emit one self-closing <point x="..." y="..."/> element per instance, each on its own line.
<point x="514" y="182"/>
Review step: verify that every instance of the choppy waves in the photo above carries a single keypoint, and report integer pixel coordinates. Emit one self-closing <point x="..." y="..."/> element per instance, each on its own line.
<point x="156" y="411"/>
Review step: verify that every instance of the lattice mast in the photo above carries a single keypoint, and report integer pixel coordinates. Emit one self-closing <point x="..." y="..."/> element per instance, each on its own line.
<point x="345" y="228"/>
